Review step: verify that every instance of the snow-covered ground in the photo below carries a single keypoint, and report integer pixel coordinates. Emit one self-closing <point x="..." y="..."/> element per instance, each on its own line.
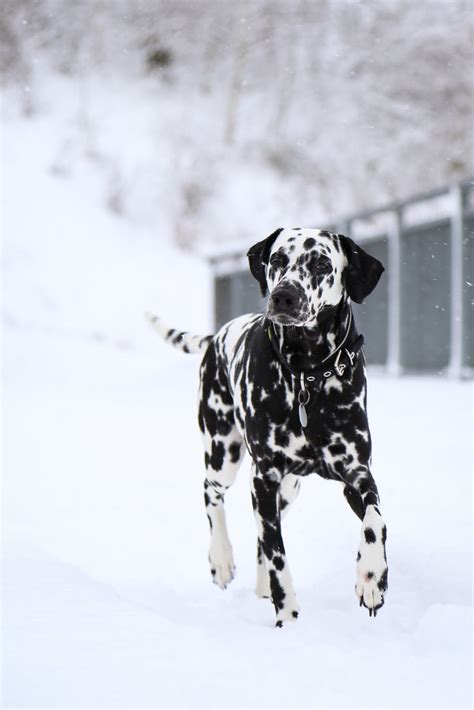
<point x="107" y="598"/>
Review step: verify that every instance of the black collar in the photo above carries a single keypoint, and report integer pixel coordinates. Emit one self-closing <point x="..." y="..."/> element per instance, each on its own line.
<point x="335" y="364"/>
<point x="347" y="351"/>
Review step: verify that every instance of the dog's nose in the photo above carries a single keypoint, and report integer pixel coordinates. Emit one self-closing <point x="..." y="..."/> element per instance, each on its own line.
<point x="284" y="299"/>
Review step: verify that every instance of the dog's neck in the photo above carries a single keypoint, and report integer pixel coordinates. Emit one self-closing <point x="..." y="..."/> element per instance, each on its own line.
<point x="305" y="348"/>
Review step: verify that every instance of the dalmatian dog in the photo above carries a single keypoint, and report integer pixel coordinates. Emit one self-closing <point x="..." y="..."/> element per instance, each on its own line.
<point x="289" y="386"/>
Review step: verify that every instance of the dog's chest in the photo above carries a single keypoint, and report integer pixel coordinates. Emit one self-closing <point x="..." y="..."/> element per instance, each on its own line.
<point x="267" y="409"/>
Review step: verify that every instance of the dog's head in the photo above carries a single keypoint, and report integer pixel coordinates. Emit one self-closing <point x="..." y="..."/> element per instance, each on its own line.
<point x="307" y="271"/>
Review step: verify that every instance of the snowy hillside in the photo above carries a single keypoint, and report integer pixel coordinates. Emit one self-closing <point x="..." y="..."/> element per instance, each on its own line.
<point x="107" y="597"/>
<point x="73" y="268"/>
<point x="225" y="119"/>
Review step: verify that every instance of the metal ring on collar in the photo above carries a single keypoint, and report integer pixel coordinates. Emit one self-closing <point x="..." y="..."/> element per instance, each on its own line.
<point x="303" y="397"/>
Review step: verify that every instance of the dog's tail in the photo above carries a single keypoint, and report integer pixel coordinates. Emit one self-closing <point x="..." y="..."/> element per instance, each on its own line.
<point x="186" y="342"/>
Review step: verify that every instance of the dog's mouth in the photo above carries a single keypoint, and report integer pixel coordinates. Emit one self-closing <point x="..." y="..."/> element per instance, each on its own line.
<point x="285" y="318"/>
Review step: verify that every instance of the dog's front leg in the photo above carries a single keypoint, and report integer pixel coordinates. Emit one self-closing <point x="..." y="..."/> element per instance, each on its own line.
<point x="265" y="504"/>
<point x="372" y="571"/>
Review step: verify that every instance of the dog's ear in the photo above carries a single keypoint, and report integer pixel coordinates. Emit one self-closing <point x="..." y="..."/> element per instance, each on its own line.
<point x="258" y="256"/>
<point x="363" y="271"/>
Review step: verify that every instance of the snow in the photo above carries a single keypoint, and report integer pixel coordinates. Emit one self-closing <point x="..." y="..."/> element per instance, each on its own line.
<point x="107" y="596"/>
<point x="108" y="600"/>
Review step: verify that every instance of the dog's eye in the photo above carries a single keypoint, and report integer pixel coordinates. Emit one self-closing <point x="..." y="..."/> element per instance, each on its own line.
<point x="319" y="264"/>
<point x="324" y="265"/>
<point x="278" y="260"/>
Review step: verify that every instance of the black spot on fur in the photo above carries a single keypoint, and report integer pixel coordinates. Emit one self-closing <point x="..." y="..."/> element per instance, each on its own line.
<point x="178" y="338"/>
<point x="216" y="459"/>
<point x="371" y="498"/>
<point x="266" y="499"/>
<point x="354" y="499"/>
<point x="337" y="449"/>
<point x="234" y="451"/>
<point x="370" y="575"/>
<point x="278" y="562"/>
<point x="309" y="243"/>
<point x="369" y="535"/>
<point x="364" y="485"/>
<point x="278" y="593"/>
<point x="382" y="583"/>
<point x="281" y="437"/>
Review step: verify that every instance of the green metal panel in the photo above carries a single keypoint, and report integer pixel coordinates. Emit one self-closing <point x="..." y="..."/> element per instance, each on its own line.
<point x="371" y="316"/>
<point x="247" y="296"/>
<point x="222" y="299"/>
<point x="236" y="294"/>
<point x="425" y="301"/>
<point x="468" y="292"/>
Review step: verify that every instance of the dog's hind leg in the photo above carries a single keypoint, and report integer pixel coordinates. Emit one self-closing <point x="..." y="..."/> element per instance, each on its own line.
<point x="224" y="449"/>
<point x="289" y="488"/>
<point x="265" y="494"/>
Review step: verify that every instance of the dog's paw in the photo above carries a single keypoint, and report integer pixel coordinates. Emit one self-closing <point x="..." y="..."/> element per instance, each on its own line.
<point x="372" y="577"/>
<point x="370" y="590"/>
<point x="372" y="570"/>
<point x="222" y="564"/>
<point x="284" y="616"/>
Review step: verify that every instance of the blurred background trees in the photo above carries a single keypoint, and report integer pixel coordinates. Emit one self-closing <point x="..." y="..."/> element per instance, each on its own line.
<point x="236" y="117"/>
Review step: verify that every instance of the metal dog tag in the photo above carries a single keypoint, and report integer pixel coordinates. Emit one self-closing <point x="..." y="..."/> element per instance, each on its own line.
<point x="303" y="415"/>
<point x="303" y="399"/>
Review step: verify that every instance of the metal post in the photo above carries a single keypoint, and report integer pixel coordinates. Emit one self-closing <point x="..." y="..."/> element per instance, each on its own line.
<point x="455" y="360"/>
<point x="394" y="238"/>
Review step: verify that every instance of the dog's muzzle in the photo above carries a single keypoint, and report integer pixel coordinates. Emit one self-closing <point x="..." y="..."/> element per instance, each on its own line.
<point x="287" y="305"/>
